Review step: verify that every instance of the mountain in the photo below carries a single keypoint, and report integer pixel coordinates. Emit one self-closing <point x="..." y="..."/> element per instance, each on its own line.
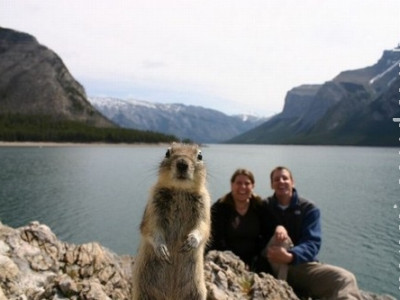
<point x="356" y="107"/>
<point x="41" y="101"/>
<point x="35" y="81"/>
<point x="196" y="123"/>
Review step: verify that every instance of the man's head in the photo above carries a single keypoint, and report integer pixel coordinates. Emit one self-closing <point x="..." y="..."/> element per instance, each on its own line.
<point x="282" y="183"/>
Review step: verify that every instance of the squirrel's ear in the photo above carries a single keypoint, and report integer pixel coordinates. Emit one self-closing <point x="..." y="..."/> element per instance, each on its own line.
<point x="168" y="153"/>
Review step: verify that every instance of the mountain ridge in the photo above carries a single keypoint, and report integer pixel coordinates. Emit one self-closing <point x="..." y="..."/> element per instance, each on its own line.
<point x="356" y="107"/>
<point x="36" y="81"/>
<point x="341" y="111"/>
<point x="197" y="123"/>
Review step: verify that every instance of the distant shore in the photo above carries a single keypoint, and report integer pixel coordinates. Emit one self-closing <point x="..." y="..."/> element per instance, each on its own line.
<point x="54" y="144"/>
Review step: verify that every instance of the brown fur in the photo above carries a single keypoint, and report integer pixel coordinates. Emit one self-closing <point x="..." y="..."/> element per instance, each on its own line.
<point x="174" y="230"/>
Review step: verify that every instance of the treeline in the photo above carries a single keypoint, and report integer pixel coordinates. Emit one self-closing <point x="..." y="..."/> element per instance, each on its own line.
<point x="42" y="128"/>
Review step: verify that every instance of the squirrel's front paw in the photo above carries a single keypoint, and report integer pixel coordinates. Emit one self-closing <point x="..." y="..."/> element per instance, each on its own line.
<point x="163" y="253"/>
<point x="190" y="243"/>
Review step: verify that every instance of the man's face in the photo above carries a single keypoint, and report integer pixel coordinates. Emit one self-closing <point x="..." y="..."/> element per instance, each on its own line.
<point x="282" y="183"/>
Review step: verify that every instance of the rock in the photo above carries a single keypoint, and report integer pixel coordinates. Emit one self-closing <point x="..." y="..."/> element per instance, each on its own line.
<point x="372" y="296"/>
<point x="2" y="297"/>
<point x="8" y="270"/>
<point x="67" y="285"/>
<point x="227" y="278"/>
<point x="35" y="265"/>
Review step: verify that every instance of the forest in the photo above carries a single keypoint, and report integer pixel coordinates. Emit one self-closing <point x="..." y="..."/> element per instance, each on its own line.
<point x="43" y="128"/>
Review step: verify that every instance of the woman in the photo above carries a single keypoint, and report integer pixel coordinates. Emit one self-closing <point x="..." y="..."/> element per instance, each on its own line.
<point x="238" y="222"/>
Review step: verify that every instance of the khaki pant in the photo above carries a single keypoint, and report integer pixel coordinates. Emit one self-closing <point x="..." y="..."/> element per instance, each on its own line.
<point x="322" y="281"/>
<point x="316" y="280"/>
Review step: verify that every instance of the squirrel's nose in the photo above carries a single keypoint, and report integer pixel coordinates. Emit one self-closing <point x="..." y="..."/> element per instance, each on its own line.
<point x="182" y="165"/>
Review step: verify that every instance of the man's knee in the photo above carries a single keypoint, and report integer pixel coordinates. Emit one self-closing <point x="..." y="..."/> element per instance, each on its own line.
<point x="349" y="278"/>
<point x="345" y="278"/>
<point x="324" y="281"/>
<point x="349" y="288"/>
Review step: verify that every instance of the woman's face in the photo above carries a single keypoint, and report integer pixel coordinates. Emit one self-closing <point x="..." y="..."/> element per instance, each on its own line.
<point x="242" y="188"/>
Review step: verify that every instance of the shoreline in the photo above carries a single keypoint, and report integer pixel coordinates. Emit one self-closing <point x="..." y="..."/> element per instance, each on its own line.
<point x="71" y="144"/>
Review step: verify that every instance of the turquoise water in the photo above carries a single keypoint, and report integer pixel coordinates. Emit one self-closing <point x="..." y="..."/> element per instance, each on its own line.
<point x="98" y="193"/>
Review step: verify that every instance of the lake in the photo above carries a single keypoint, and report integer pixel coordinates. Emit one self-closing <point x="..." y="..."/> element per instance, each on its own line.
<point x="98" y="193"/>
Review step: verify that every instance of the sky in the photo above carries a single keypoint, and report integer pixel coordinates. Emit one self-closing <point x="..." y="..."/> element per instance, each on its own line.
<point x="234" y="56"/>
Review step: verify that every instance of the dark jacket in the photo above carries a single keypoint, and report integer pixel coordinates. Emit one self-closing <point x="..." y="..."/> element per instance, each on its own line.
<point x="302" y="221"/>
<point x="245" y="235"/>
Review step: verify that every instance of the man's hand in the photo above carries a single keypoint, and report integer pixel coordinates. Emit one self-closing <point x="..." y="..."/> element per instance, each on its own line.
<point x="280" y="234"/>
<point x="279" y="255"/>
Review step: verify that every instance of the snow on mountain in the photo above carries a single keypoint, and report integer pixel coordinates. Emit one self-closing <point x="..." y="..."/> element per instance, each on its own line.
<point x="110" y="102"/>
<point x="379" y="76"/>
<point x="196" y="123"/>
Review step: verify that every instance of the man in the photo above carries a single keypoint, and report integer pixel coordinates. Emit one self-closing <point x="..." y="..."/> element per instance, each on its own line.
<point x="301" y="218"/>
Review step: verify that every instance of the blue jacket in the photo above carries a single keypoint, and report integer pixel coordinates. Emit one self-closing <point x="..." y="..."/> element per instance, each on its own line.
<point x="302" y="221"/>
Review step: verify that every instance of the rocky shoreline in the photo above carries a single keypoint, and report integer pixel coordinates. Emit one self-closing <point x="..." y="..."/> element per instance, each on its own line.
<point x="35" y="264"/>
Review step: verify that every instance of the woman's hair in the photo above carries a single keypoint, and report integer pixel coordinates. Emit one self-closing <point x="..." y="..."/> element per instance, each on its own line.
<point x="281" y="168"/>
<point x="244" y="172"/>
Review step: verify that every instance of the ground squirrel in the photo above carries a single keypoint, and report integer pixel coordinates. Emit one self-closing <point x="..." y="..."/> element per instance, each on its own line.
<point x="174" y="230"/>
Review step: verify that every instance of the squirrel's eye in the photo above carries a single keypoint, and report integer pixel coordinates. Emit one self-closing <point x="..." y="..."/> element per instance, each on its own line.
<point x="199" y="156"/>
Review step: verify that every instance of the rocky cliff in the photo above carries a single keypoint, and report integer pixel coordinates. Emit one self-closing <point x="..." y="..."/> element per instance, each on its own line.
<point x="34" y="264"/>
<point x="354" y="108"/>
<point x="298" y="100"/>
<point x="35" y="81"/>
